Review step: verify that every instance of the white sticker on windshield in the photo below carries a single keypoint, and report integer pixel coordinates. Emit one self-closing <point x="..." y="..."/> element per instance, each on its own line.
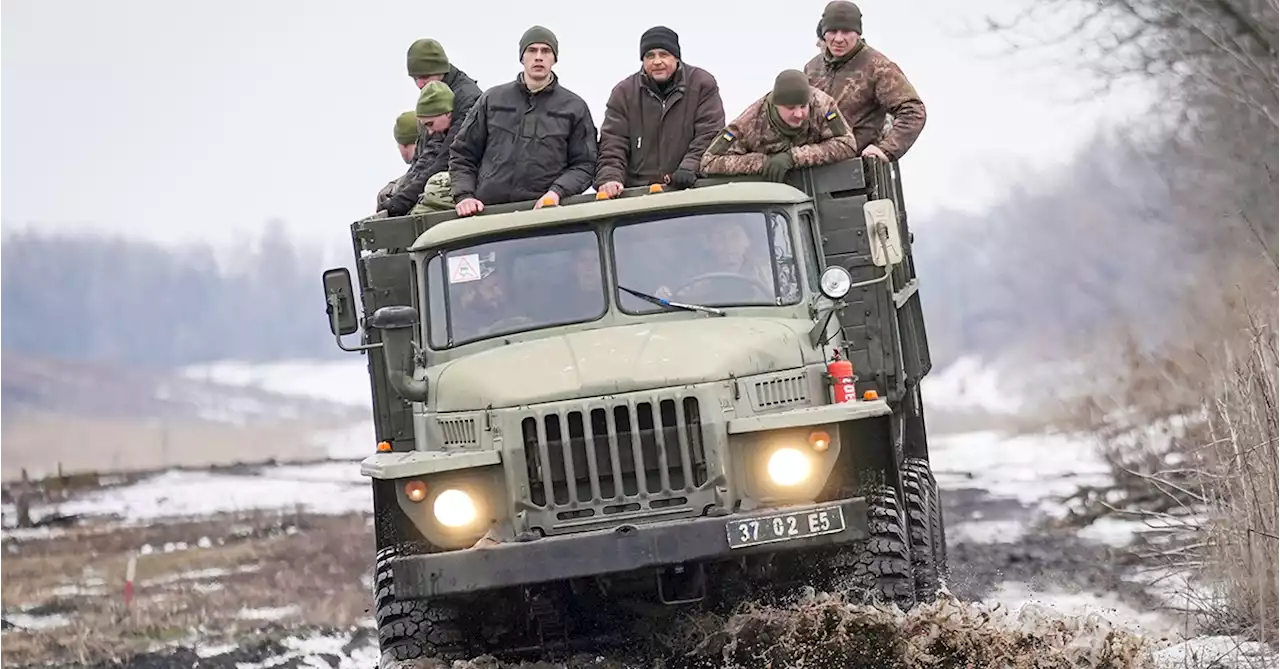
<point x="464" y="268"/>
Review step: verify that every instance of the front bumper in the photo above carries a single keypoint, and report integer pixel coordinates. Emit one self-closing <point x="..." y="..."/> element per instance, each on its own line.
<point x="620" y="549"/>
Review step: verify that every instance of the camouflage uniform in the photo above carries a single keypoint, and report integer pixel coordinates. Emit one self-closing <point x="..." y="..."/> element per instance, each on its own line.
<point x="435" y="196"/>
<point x="868" y="87"/>
<point x="747" y="143"/>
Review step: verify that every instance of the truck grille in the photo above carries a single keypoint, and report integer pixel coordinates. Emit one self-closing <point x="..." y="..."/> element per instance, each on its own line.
<point x="640" y="459"/>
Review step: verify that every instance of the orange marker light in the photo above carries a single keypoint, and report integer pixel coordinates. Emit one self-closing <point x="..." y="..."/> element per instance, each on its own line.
<point x="601" y="195"/>
<point x="416" y="491"/>
<point x="819" y="441"/>
<point x="655" y="188"/>
<point x="384" y="446"/>
<point x="548" y="201"/>
<point x="871" y="395"/>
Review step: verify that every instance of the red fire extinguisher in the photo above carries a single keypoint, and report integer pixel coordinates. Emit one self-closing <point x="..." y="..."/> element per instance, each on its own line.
<point x="841" y="373"/>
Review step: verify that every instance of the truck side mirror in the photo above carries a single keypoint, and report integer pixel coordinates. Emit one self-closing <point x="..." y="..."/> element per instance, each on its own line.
<point x="882" y="232"/>
<point x="341" y="305"/>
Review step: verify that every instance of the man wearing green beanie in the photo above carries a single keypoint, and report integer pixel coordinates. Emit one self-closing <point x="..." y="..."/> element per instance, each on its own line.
<point x="427" y="62"/>
<point x="867" y="85"/>
<point x="435" y="116"/>
<point x="794" y="125"/>
<point x="531" y="138"/>
<point x="406" y="136"/>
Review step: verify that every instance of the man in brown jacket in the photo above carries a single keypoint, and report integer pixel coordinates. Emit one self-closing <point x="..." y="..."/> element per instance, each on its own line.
<point x="659" y="121"/>
<point x="866" y="84"/>
<point x="795" y="125"/>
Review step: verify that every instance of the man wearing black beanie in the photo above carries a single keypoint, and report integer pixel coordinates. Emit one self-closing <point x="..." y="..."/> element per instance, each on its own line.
<point x="659" y="121"/>
<point x="868" y="86"/>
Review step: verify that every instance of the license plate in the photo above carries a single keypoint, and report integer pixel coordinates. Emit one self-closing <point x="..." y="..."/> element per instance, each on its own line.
<point x="785" y="526"/>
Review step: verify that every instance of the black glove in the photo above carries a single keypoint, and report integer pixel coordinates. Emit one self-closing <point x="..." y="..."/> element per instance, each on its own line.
<point x="682" y="179"/>
<point x="776" y="166"/>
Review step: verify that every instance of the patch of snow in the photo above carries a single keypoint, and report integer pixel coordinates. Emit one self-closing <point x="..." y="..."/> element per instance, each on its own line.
<point x="267" y="613"/>
<point x="213" y="650"/>
<point x="342" y="381"/>
<point x="1029" y="468"/>
<point x="969" y="384"/>
<point x="330" y="489"/>
<point x="1216" y="652"/>
<point x="1115" y="532"/>
<point x="79" y="590"/>
<point x="33" y="622"/>
<point x="986" y="531"/>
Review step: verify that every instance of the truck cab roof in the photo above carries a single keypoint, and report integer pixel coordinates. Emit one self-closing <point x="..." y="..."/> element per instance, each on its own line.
<point x="581" y="208"/>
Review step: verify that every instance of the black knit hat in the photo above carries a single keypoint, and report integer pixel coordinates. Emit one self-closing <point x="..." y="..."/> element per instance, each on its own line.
<point x="660" y="37"/>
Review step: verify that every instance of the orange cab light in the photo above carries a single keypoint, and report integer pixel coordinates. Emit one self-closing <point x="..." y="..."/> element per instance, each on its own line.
<point x="819" y="441"/>
<point x="871" y="395"/>
<point x="416" y="491"/>
<point x="384" y="446"/>
<point x="655" y="188"/>
<point x="548" y="201"/>
<point x="601" y="195"/>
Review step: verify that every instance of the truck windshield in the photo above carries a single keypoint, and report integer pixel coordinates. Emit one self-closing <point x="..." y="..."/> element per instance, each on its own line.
<point x="721" y="259"/>
<point x="513" y="285"/>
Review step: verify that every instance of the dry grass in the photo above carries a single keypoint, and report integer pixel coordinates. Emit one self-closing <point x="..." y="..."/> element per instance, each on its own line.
<point x="316" y="563"/>
<point x="1191" y="432"/>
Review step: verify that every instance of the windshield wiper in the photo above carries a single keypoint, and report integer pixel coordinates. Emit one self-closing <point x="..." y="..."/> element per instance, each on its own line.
<point x="668" y="303"/>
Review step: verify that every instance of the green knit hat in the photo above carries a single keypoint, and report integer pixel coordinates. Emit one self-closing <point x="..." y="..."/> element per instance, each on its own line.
<point x="436" y="99"/>
<point x="407" y="128"/>
<point x="791" y="88"/>
<point x="426" y="57"/>
<point x="539" y="35"/>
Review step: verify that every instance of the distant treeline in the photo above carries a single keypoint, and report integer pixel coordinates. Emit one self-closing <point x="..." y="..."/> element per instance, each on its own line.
<point x="1062" y="257"/>
<point x="100" y="298"/>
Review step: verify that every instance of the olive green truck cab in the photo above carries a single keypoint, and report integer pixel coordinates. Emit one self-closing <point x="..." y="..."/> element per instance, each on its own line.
<point x="609" y="400"/>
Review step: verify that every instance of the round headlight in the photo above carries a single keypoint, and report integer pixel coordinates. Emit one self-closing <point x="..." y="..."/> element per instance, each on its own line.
<point x="454" y="508"/>
<point x="788" y="466"/>
<point x="835" y="282"/>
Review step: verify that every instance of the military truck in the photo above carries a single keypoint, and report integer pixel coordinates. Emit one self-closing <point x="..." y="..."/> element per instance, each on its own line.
<point x="611" y="402"/>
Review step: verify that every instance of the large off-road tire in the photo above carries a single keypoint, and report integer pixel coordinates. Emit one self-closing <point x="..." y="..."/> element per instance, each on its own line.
<point x="416" y="628"/>
<point x="924" y="528"/>
<point x="880" y="569"/>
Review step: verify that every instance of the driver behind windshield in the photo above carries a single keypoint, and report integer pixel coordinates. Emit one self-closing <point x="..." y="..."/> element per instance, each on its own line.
<point x="480" y="303"/>
<point x="727" y="248"/>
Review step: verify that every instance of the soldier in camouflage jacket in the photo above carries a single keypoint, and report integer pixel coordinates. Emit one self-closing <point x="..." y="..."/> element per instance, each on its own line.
<point x="866" y="84"/>
<point x="795" y="125"/>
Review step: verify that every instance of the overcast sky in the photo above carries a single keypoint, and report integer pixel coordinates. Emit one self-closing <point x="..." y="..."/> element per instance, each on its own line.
<point x="199" y="120"/>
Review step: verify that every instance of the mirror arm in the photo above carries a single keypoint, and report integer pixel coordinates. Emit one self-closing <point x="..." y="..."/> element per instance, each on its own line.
<point x="819" y="329"/>
<point x="333" y="323"/>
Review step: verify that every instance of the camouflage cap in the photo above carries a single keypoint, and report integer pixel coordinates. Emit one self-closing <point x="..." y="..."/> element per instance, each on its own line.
<point x="842" y="15"/>
<point x="791" y="88"/>
<point x="407" y="129"/>
<point x="426" y="57"/>
<point x="539" y="35"/>
<point x="436" y="99"/>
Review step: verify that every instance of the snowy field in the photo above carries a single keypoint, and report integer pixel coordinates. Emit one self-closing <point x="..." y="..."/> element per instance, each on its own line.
<point x="1018" y="481"/>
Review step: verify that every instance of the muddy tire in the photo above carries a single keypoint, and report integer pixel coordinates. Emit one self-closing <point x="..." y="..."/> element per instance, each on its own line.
<point x="880" y="569"/>
<point x="417" y="628"/>
<point x="924" y="528"/>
